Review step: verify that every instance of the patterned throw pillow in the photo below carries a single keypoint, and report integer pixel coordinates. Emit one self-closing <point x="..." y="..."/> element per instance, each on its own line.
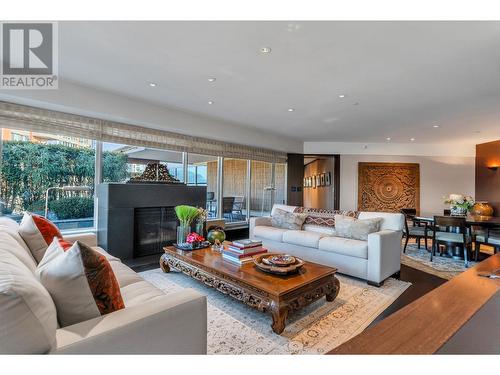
<point x="38" y="233"/>
<point x="80" y="281"/>
<point x="323" y="217"/>
<point x="350" y="227"/>
<point x="287" y="220"/>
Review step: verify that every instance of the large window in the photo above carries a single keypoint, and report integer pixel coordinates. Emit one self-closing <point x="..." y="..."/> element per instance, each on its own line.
<point x="202" y="171"/>
<point x="262" y="190"/>
<point x="280" y="183"/>
<point x="36" y="166"/>
<point x="234" y="190"/>
<point x="122" y="162"/>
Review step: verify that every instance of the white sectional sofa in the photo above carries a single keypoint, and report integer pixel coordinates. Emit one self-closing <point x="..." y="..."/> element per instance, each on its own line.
<point x="152" y="322"/>
<point x="373" y="260"/>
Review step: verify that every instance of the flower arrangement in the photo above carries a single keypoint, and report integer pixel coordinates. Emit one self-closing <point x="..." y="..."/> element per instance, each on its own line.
<point x="459" y="204"/>
<point x="202" y="215"/>
<point x="186" y="214"/>
<point x="194" y="239"/>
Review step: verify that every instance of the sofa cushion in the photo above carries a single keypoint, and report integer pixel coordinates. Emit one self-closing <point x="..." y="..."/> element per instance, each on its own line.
<point x="390" y="221"/>
<point x="323" y="217"/>
<point x="28" y="319"/>
<point x="302" y="238"/>
<point x="327" y="231"/>
<point x="269" y="233"/>
<point x="357" y="229"/>
<point x="11" y="242"/>
<point x="283" y="207"/>
<point x="344" y="246"/>
<point x="80" y="281"/>
<point x="124" y="274"/>
<point x="139" y="293"/>
<point x="287" y="220"/>
<point x="38" y="233"/>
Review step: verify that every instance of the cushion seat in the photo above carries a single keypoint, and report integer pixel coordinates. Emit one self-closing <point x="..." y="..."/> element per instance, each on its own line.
<point x="344" y="246"/>
<point x="270" y="233"/>
<point x="450" y="237"/>
<point x="302" y="238"/>
<point x="124" y="274"/>
<point x="139" y="293"/>
<point x="494" y="240"/>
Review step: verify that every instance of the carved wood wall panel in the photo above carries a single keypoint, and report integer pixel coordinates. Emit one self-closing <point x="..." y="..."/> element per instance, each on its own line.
<point x="388" y="187"/>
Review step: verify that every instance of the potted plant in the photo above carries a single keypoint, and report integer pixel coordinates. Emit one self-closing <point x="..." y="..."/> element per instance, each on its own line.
<point x="200" y="221"/>
<point x="459" y="204"/>
<point x="186" y="215"/>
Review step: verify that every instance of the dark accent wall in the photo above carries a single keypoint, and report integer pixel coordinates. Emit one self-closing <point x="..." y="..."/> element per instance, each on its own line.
<point x="487" y="180"/>
<point x="295" y="179"/>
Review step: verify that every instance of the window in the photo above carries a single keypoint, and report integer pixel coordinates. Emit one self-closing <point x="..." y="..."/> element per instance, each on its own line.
<point x="280" y="183"/>
<point x="202" y="171"/>
<point x="234" y="190"/>
<point x="122" y="162"/>
<point x="34" y="163"/>
<point x="262" y="192"/>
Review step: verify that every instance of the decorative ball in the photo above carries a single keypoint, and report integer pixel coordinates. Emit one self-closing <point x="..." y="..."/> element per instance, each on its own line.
<point x="482" y="209"/>
<point x="216" y="234"/>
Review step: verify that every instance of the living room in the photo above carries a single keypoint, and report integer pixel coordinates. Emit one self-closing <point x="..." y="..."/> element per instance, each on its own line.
<point x="268" y="186"/>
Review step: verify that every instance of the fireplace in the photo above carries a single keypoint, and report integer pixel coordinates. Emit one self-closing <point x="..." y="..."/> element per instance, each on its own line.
<point x="135" y="220"/>
<point x="154" y="228"/>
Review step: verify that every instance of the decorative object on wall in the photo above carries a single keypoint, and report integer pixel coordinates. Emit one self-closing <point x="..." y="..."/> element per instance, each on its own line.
<point x="322" y="179"/>
<point x="328" y="178"/>
<point x="388" y="187"/>
<point x="318" y="180"/>
<point x="314" y="182"/>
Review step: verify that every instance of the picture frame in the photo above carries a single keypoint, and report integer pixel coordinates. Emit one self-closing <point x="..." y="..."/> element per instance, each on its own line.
<point x="322" y="179"/>
<point x="328" y="178"/>
<point x="314" y="180"/>
<point x="305" y="182"/>
<point x="318" y="180"/>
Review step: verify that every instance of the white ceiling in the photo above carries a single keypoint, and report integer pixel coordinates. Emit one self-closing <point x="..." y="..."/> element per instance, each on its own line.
<point x="405" y="76"/>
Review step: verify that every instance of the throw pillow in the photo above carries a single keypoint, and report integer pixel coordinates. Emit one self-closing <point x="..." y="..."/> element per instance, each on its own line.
<point x="357" y="229"/>
<point x="38" y="233"/>
<point x="287" y="220"/>
<point x="323" y="217"/>
<point x="80" y="281"/>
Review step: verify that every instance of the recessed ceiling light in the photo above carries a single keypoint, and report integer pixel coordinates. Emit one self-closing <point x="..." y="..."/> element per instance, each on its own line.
<point x="435" y="126"/>
<point x="212" y="79"/>
<point x="210" y="102"/>
<point x="265" y="50"/>
<point x="290" y="109"/>
<point x="342" y="96"/>
<point x="152" y="84"/>
<point x="412" y="139"/>
<point x="388" y="138"/>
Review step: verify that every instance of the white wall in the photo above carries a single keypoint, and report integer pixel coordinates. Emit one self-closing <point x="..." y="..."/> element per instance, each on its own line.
<point x="439" y="176"/>
<point x="86" y="101"/>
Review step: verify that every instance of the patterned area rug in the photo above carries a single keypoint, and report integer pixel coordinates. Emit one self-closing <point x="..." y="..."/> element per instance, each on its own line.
<point x="441" y="266"/>
<point x="234" y="328"/>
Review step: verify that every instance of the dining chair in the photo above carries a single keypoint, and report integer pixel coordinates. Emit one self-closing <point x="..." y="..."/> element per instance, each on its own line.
<point x="238" y="206"/>
<point x="451" y="231"/>
<point x="486" y="236"/>
<point x="417" y="229"/>
<point x="227" y="207"/>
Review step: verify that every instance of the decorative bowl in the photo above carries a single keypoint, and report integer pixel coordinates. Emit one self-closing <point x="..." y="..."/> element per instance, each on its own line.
<point x="195" y="246"/>
<point x="280" y="260"/>
<point x="275" y="269"/>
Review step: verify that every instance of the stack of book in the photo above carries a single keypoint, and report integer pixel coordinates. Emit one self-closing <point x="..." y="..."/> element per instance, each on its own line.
<point x="242" y="251"/>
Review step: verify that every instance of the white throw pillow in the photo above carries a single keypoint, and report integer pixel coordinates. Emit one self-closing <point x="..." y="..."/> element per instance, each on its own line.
<point x="357" y="229"/>
<point x="38" y="232"/>
<point x="287" y="220"/>
<point x="28" y="318"/>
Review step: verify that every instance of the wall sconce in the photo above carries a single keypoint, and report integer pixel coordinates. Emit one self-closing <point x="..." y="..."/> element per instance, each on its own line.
<point x="493" y="168"/>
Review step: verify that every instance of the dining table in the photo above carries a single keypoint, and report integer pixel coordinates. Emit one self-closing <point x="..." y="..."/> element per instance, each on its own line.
<point x="476" y="221"/>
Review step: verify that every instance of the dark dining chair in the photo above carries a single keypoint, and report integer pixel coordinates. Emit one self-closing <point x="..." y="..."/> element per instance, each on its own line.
<point x="417" y="229"/>
<point x="227" y="207"/>
<point x="451" y="231"/>
<point x="486" y="236"/>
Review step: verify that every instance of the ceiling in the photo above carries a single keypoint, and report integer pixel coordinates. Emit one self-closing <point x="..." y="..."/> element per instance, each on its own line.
<point x="400" y="79"/>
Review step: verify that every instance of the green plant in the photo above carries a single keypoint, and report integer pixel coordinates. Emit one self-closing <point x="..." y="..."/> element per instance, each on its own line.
<point x="186" y="214"/>
<point x="72" y="208"/>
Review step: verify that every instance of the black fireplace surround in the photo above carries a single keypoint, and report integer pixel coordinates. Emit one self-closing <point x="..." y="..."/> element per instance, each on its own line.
<point x="139" y="219"/>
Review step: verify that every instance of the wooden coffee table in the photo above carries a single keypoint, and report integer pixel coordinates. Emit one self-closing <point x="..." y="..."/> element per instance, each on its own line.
<point x="266" y="292"/>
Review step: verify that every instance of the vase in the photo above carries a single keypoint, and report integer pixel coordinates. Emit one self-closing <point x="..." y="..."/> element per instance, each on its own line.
<point x="482" y="209"/>
<point x="182" y="233"/>
<point x="458" y="211"/>
<point x="199" y="228"/>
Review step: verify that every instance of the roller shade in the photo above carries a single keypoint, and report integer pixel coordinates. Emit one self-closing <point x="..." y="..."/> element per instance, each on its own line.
<point x="41" y="120"/>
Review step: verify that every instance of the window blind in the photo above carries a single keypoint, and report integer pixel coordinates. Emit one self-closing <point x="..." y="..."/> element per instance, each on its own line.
<point x="41" y="120"/>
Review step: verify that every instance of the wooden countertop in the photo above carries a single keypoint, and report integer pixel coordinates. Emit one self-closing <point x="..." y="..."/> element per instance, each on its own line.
<point x="426" y="324"/>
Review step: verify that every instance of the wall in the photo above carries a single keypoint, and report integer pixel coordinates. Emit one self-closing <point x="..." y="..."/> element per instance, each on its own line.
<point x="322" y="196"/>
<point x="488" y="181"/>
<point x="439" y="176"/>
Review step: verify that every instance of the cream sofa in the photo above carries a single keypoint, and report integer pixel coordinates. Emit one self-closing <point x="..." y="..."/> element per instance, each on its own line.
<point x="151" y="323"/>
<point x="373" y="260"/>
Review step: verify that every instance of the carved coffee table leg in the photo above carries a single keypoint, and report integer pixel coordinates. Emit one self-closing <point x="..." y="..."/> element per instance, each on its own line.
<point x="334" y="291"/>
<point x="279" y="314"/>
<point x="163" y="264"/>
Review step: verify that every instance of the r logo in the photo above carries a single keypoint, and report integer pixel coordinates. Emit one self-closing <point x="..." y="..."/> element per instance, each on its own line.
<point x="27" y="48"/>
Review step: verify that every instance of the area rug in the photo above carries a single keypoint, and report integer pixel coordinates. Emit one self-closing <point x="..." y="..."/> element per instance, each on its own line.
<point x="441" y="266"/>
<point x="234" y="328"/>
